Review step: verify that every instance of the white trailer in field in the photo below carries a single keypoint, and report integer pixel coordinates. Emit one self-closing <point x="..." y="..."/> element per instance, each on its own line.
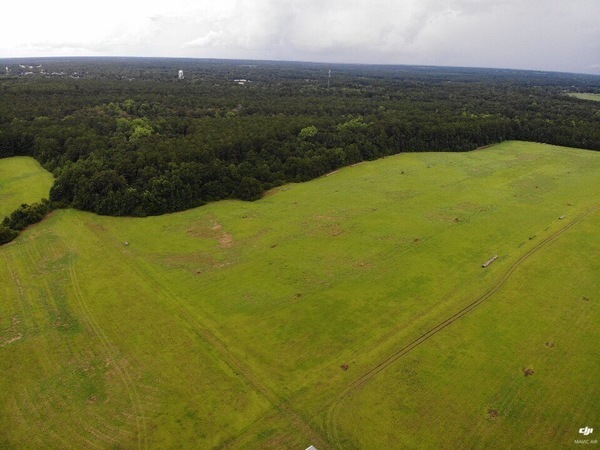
<point x="489" y="261"/>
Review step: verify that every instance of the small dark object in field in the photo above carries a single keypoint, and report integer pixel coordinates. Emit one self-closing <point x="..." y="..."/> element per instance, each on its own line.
<point x="493" y="413"/>
<point x="298" y="295"/>
<point x="550" y="344"/>
<point x="456" y="220"/>
<point x="273" y="245"/>
<point x="528" y="372"/>
<point x="585" y="299"/>
<point x="345" y="366"/>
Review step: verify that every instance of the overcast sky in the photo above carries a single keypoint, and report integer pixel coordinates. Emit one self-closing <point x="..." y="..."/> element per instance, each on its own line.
<point x="558" y="35"/>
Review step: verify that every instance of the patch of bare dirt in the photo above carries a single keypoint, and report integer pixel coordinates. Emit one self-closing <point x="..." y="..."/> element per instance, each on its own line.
<point x="226" y="240"/>
<point x="96" y="226"/>
<point x="330" y="225"/>
<point x="528" y="372"/>
<point x="211" y="229"/>
<point x="11" y="340"/>
<point x="493" y="413"/>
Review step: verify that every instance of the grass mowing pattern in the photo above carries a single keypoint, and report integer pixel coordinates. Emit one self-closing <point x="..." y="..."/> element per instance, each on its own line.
<point x="22" y="180"/>
<point x="226" y="326"/>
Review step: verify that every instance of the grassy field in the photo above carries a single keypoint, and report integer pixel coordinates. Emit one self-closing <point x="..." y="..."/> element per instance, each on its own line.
<point x="22" y="180"/>
<point x="586" y="96"/>
<point x="351" y="311"/>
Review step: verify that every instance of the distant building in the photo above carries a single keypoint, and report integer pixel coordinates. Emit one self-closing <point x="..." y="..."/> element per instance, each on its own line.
<point x="180" y="75"/>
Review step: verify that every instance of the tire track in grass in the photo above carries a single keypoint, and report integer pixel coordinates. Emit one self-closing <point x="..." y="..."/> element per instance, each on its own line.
<point x="27" y="407"/>
<point x="17" y="330"/>
<point x="333" y="410"/>
<point x="38" y="258"/>
<point x="23" y="302"/>
<point x="108" y="346"/>
<point x="238" y="367"/>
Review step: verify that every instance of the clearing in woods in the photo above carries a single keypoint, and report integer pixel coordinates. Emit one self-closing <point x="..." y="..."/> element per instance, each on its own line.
<point x="349" y="311"/>
<point x="586" y="96"/>
<point x="22" y="180"/>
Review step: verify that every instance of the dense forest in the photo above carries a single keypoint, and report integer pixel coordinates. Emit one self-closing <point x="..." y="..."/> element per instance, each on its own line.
<point x="126" y="136"/>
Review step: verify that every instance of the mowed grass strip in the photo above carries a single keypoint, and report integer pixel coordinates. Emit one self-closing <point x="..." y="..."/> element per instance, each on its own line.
<point x="238" y="324"/>
<point x="22" y="180"/>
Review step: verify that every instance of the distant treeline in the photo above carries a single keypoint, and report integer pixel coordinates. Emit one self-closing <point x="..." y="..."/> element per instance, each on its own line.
<point x="127" y="138"/>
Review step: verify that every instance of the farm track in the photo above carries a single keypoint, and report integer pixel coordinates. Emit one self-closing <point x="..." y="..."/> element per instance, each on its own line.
<point x="333" y="410"/>
<point x="109" y="349"/>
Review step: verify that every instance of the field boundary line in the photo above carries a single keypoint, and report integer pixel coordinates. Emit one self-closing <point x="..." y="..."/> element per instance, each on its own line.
<point x="333" y="410"/>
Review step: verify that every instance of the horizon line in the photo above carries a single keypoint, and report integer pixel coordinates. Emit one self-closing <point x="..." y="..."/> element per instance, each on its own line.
<point x="295" y="61"/>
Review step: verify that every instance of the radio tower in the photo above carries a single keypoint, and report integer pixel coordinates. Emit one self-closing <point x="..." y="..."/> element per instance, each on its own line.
<point x="329" y="79"/>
